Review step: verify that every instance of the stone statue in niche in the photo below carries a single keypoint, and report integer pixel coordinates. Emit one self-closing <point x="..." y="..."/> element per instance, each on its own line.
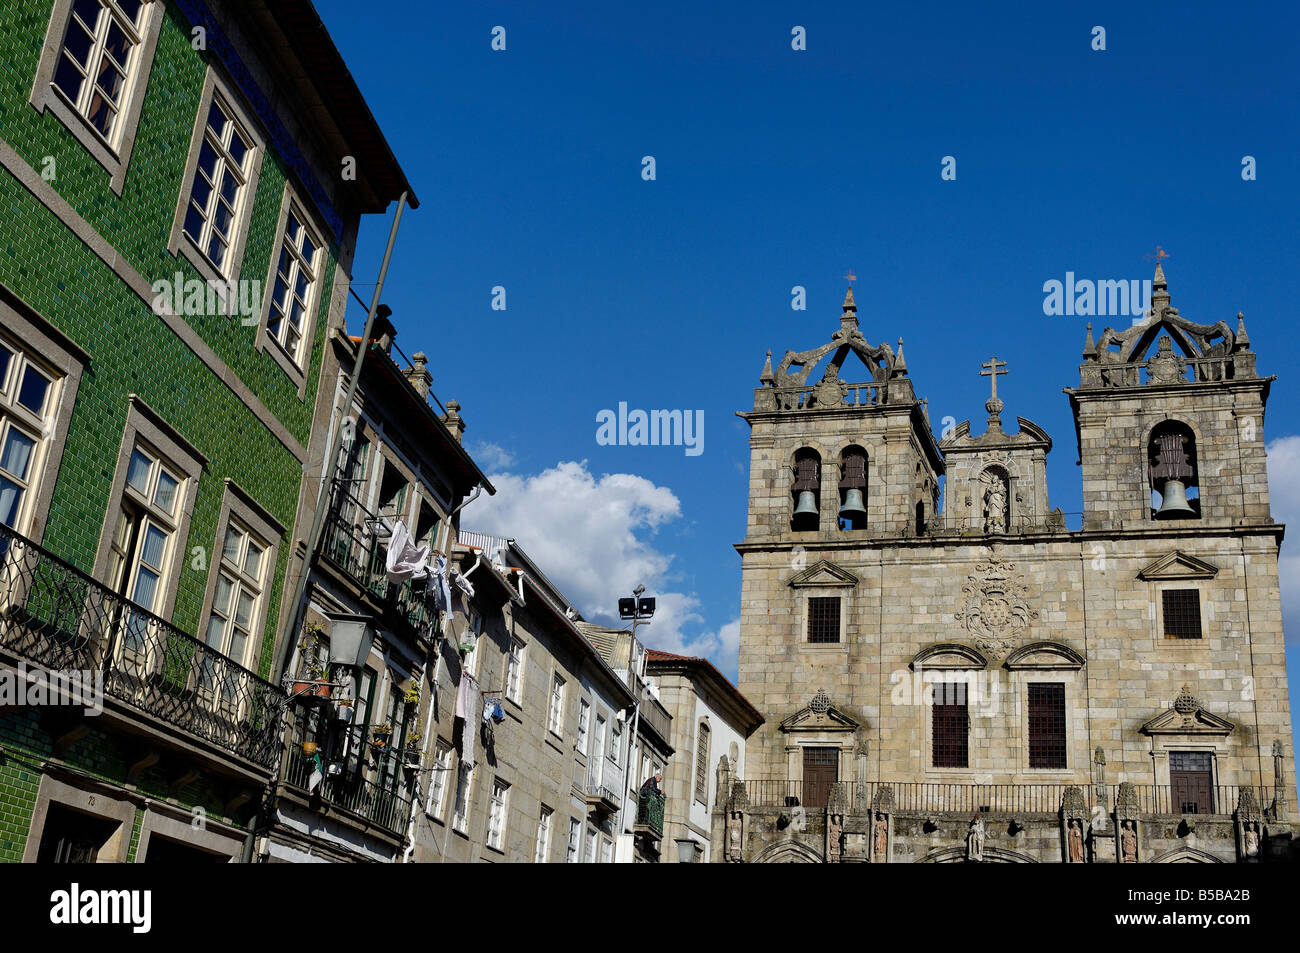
<point x="882" y="836"/>
<point x="733" y="836"/>
<point x="1128" y="840"/>
<point x="1250" y="839"/>
<point x="994" y="498"/>
<point x="975" y="840"/>
<point x="1075" y="840"/>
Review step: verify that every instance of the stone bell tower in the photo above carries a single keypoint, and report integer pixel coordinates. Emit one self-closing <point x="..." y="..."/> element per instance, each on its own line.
<point x="834" y="465"/>
<point x="1166" y="400"/>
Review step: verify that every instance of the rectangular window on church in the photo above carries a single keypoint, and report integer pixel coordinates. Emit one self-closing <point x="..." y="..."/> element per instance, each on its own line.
<point x="1047" y="725"/>
<point x="1182" y="613"/>
<point x="951" y="726"/>
<point x="824" y="619"/>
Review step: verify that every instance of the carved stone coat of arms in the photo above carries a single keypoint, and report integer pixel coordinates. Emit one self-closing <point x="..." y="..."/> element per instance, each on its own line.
<point x="996" y="613"/>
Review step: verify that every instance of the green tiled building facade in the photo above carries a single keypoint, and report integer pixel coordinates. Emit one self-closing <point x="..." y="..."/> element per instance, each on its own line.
<point x="152" y="456"/>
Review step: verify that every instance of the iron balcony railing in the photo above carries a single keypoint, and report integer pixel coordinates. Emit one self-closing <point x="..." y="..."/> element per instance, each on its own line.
<point x="938" y="796"/>
<point x="58" y="617"/>
<point x="352" y="540"/>
<point x="356" y="776"/>
<point x="650" y="812"/>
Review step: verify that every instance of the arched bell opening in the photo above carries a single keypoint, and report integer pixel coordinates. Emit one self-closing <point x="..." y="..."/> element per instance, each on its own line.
<point x="806" y="490"/>
<point x="1175" y="487"/>
<point x="853" y="488"/>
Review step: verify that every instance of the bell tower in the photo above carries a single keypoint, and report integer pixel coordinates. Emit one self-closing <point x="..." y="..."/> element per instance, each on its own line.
<point x="1170" y="421"/>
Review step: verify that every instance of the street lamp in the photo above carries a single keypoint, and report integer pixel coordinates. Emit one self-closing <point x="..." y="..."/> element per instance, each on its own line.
<point x="638" y="609"/>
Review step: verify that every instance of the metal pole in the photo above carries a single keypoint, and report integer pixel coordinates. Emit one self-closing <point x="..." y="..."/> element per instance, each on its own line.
<point x="327" y="465"/>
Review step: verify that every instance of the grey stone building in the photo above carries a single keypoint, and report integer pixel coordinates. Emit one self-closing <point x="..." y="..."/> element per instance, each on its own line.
<point x="980" y="682"/>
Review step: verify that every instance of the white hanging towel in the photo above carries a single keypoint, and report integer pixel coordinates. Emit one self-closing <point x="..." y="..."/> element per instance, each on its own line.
<point x="467" y="700"/>
<point x="441" y="591"/>
<point x="405" y="559"/>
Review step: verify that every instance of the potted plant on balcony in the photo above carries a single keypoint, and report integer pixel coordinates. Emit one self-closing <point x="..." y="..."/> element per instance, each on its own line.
<point x="411" y="753"/>
<point x="344" y="710"/>
<point x="380" y="735"/>
<point x="412" y="696"/>
<point x="317" y="670"/>
<point x="308" y="749"/>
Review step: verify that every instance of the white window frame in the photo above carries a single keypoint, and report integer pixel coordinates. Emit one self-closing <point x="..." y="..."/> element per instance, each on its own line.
<point x="515" y="671"/>
<point x="114" y="151"/>
<point x="574" y="842"/>
<point x="295" y="366"/>
<point x="498" y="814"/>
<point x="180" y="242"/>
<point x="434" y="804"/>
<point x="584" y="726"/>
<point x="543" y="835"/>
<point x="464" y="799"/>
<point x="555" y="710"/>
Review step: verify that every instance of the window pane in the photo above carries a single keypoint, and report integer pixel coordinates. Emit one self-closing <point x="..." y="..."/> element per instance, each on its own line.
<point x="221" y="598"/>
<point x="78" y="42"/>
<point x="117" y="45"/>
<point x="229" y="189"/>
<point x="238" y="149"/>
<point x="308" y="250"/>
<point x="217" y="121"/>
<point x="202" y="191"/>
<point x="253" y="561"/>
<point x="194" y="218"/>
<point x="11" y="499"/>
<point x="230" y="550"/>
<point x="6" y="356"/>
<point x="222" y="216"/>
<point x="237" y="642"/>
<point x="17" y="453"/>
<point x="100" y="114"/>
<point x="131" y="8"/>
<point x="244" y="610"/>
<point x="35" y="386"/>
<point x="151" y="550"/>
<point x="216" y="628"/>
<point x="68" y="78"/>
<point x="217" y="251"/>
<point x="146" y="584"/>
<point x="208" y="160"/>
<point x="88" y="10"/>
<point x="165" y="495"/>
<point x="137" y="474"/>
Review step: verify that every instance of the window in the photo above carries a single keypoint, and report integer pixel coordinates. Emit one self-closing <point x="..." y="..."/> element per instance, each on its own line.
<point x="702" y="764"/>
<point x="1191" y="780"/>
<point x="498" y="812"/>
<point x="589" y="854"/>
<point x="71" y="837"/>
<point x="515" y="672"/>
<point x="596" y="763"/>
<point x="1182" y="613"/>
<point x="219" y="185"/>
<point x="239" y="590"/>
<point x="571" y="848"/>
<point x="821" y="770"/>
<point x="543" y="836"/>
<point x="555" y="715"/>
<point x="28" y="401"/>
<point x="616" y="743"/>
<point x="1047" y="725"/>
<point x="99" y="52"/>
<point x="584" y="720"/>
<point x="950" y="724"/>
<point x="145" y="535"/>
<point x="464" y="784"/>
<point x="606" y="850"/>
<point x="293" y="291"/>
<point x="823" y="619"/>
<point x="438" y="780"/>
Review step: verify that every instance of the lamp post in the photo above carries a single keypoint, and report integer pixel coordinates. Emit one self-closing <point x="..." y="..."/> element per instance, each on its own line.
<point x="638" y="609"/>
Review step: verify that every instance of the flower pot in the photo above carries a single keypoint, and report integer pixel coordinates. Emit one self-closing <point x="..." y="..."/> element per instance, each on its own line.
<point x="323" y="691"/>
<point x="380" y="738"/>
<point x="308" y="749"/>
<point x="302" y="688"/>
<point x="343" y="711"/>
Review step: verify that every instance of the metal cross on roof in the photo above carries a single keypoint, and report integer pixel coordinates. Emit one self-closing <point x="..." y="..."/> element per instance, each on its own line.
<point x="994" y="368"/>
<point x="851" y="277"/>
<point x="1160" y="253"/>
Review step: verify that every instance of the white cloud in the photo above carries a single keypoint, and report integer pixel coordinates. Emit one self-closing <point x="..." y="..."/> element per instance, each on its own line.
<point x="1284" y="494"/>
<point x="593" y="537"/>
<point x="491" y="456"/>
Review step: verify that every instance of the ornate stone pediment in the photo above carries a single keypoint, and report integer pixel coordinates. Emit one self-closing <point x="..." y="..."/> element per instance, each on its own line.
<point x="819" y="715"/>
<point x="1187" y="717"/>
<point x="823" y="574"/>
<point x="947" y="655"/>
<point x="1178" y="565"/>
<point x="996" y="612"/>
<point x="1042" y="656"/>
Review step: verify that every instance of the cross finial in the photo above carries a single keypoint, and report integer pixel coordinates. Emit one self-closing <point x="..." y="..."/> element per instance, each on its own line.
<point x="994" y="368"/>
<point x="1160" y="253"/>
<point x="851" y="277"/>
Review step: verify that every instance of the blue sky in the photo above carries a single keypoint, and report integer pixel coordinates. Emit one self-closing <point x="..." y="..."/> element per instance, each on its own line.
<point x="778" y="168"/>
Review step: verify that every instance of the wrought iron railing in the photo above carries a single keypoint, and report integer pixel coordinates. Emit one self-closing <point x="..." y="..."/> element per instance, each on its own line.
<point x="938" y="796"/>
<point x="650" y="811"/>
<point x="352" y="541"/>
<point x="58" y="617"/>
<point x="355" y="776"/>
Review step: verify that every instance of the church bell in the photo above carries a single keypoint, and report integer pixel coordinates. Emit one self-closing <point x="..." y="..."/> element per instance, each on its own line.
<point x="807" y="505"/>
<point x="853" y="507"/>
<point x="1173" y="501"/>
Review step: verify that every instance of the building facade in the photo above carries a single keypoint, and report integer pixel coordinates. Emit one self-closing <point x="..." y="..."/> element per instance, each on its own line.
<point x="542" y="776"/>
<point x="178" y="242"/>
<point x="979" y="682"/>
<point x="711" y="722"/>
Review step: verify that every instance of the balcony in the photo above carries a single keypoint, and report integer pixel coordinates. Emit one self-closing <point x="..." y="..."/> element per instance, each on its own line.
<point x="351" y="541"/>
<point x="649" y="814"/>
<point x="369" y="783"/>
<point x="57" y="617"/>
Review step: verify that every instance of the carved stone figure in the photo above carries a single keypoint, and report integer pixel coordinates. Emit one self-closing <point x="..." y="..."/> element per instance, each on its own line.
<point x="975" y="840"/>
<point x="882" y="836"/>
<point x="1251" y="839"/>
<point x="1128" y="840"/>
<point x="1075" y="839"/>
<point x="733" y="837"/>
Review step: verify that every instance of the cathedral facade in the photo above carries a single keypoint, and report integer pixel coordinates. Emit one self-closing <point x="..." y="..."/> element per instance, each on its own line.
<point x="982" y="682"/>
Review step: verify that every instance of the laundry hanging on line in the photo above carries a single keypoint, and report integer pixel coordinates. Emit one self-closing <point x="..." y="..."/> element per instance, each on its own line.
<point x="405" y="559"/>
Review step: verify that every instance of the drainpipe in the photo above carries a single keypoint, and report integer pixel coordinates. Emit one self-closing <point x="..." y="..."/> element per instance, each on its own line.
<point x="318" y="520"/>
